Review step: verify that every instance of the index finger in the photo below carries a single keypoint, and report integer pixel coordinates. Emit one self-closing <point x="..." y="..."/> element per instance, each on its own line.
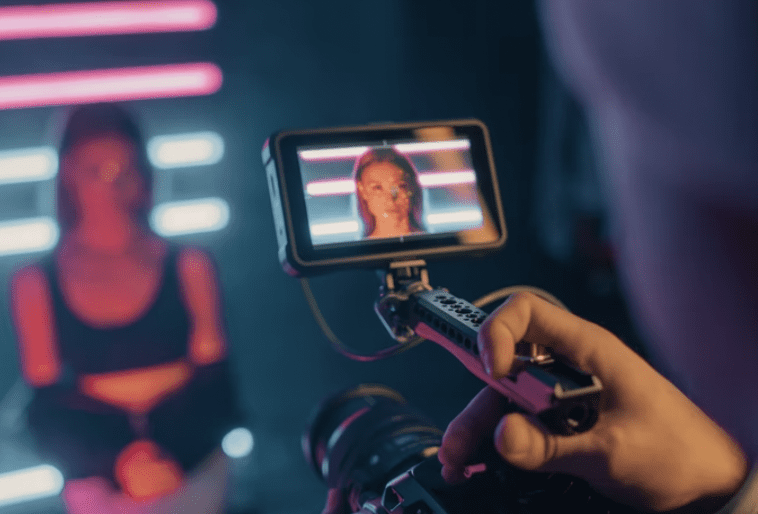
<point x="464" y="435"/>
<point x="527" y="317"/>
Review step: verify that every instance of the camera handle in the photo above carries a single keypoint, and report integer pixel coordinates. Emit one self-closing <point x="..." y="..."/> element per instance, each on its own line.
<point x="563" y="398"/>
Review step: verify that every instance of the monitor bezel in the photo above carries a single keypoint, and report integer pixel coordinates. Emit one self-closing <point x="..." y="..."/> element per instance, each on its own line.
<point x="306" y="257"/>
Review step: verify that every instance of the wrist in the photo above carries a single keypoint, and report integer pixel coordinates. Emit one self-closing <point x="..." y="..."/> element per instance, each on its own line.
<point x="745" y="498"/>
<point x="726" y="502"/>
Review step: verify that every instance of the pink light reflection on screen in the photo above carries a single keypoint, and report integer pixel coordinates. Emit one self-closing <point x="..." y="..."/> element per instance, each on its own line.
<point x="433" y="146"/>
<point x="350" y="152"/>
<point x="118" y="84"/>
<point x="326" y="154"/>
<point x="447" y="178"/>
<point x="105" y="18"/>
<point x="347" y="186"/>
<point x="330" y="187"/>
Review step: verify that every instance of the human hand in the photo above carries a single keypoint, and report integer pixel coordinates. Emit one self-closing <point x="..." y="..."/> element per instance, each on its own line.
<point x="144" y="473"/>
<point x="336" y="502"/>
<point x="651" y="448"/>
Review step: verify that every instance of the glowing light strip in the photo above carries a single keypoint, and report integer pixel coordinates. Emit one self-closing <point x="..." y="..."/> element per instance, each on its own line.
<point x="182" y="150"/>
<point x="332" y="153"/>
<point x="347" y="186"/>
<point x="118" y="84"/>
<point x="331" y="187"/>
<point x="30" y="484"/>
<point x="190" y="217"/>
<point x="433" y="146"/>
<point x="326" y="154"/>
<point x="238" y="443"/>
<point x="339" y="227"/>
<point x="28" y="235"/>
<point x="103" y="18"/>
<point x="473" y="215"/>
<point x="28" y="164"/>
<point x="447" y="178"/>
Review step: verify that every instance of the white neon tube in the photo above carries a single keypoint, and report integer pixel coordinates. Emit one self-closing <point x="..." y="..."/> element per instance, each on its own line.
<point x="347" y="186"/>
<point x="28" y="235"/>
<point x="184" y="150"/>
<point x="447" y="178"/>
<point x="331" y="187"/>
<point x="189" y="217"/>
<point x="28" y="164"/>
<point x="338" y="227"/>
<point x="473" y="215"/>
<point x="30" y="484"/>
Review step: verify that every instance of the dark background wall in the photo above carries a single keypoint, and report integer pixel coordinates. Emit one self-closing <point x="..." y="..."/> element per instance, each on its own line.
<point x="297" y="63"/>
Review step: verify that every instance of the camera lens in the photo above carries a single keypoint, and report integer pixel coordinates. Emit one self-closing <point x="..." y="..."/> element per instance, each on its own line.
<point x="364" y="436"/>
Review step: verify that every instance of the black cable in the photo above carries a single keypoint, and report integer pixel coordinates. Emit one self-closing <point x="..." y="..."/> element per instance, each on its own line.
<point x="507" y="291"/>
<point x="341" y="347"/>
<point x="396" y="349"/>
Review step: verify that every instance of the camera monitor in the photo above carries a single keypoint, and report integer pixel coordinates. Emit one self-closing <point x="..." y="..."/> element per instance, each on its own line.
<point x="367" y="196"/>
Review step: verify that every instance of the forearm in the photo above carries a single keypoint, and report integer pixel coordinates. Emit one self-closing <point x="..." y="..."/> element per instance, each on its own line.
<point x="80" y="435"/>
<point x="191" y="423"/>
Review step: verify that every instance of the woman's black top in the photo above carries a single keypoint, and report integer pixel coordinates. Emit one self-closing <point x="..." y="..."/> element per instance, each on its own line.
<point x="159" y="335"/>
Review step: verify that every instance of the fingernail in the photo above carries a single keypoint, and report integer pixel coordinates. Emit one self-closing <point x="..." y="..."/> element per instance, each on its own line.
<point x="472" y="470"/>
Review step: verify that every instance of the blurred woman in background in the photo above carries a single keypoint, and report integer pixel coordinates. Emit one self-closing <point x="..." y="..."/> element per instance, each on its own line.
<point x="121" y="336"/>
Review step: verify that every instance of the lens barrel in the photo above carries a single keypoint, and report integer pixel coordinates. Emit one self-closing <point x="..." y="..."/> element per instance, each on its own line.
<point x="365" y="435"/>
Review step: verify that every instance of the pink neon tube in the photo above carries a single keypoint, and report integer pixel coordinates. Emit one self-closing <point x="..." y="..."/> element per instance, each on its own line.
<point x="354" y="151"/>
<point x="104" y="18"/>
<point x="119" y="84"/>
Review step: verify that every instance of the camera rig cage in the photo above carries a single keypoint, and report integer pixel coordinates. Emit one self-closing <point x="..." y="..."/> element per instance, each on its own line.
<point x="562" y="397"/>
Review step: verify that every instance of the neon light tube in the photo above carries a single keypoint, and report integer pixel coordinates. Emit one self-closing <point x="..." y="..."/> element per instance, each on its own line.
<point x="190" y="217"/>
<point x="331" y="187"/>
<point x="28" y="164"/>
<point x="30" y="484"/>
<point x="238" y="443"/>
<point x="433" y="146"/>
<point x="184" y="150"/>
<point x="441" y="218"/>
<point x="28" y="235"/>
<point x="105" y="18"/>
<point x="347" y="186"/>
<point x="326" y="154"/>
<point x="447" y="178"/>
<point x="118" y="84"/>
<point x="354" y="151"/>
<point x="339" y="227"/>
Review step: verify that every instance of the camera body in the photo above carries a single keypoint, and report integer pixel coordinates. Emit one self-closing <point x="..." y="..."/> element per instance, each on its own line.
<point x="370" y="195"/>
<point x="372" y="445"/>
<point x="381" y="453"/>
<point x="421" y="489"/>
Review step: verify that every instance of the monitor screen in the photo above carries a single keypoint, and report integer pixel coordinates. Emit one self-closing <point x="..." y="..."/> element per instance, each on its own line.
<point x="385" y="191"/>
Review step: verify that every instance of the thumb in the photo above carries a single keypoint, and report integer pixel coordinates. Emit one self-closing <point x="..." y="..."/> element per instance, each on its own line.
<point x="336" y="502"/>
<point x="526" y="445"/>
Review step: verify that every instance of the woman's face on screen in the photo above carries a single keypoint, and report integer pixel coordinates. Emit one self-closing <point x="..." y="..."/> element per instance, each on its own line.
<point x="386" y="191"/>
